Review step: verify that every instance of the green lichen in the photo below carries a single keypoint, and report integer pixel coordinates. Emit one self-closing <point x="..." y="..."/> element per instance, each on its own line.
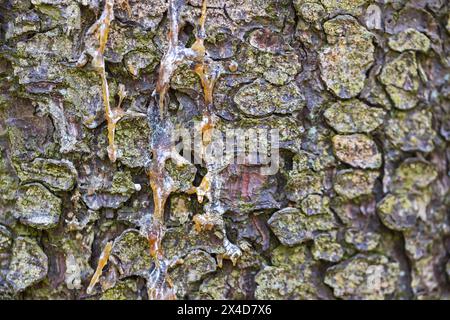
<point x="364" y="277"/>
<point x="22" y="24"/>
<point x="413" y="174"/>
<point x="292" y="227"/>
<point x="402" y="99"/>
<point x="401" y="72"/>
<point x="293" y="276"/>
<point x="327" y="248"/>
<point x="401" y="211"/>
<point x="29" y="264"/>
<point x="409" y="39"/>
<point x="138" y="62"/>
<point x="411" y="131"/>
<point x="5" y="239"/>
<point x="352" y="184"/>
<point x="58" y="175"/>
<point x="260" y="99"/>
<point x="311" y="11"/>
<point x="344" y="6"/>
<point x="223" y="285"/>
<point x="83" y="94"/>
<point x="196" y="265"/>
<point x="123" y="40"/>
<point x="289" y="131"/>
<point x="363" y="175"/>
<point x="124" y="290"/>
<point x="38" y="207"/>
<point x="131" y="252"/>
<point x="363" y="240"/>
<point x="357" y="150"/>
<point x="353" y="116"/>
<point x="303" y="183"/>
<point x="41" y="58"/>
<point x="246" y="11"/>
<point x="9" y="183"/>
<point x="344" y="62"/>
<point x="315" y="204"/>
<point x="288" y="256"/>
<point x="181" y="209"/>
<point x="183" y="175"/>
<point x="132" y="136"/>
<point x="184" y="78"/>
<point x="112" y="194"/>
<point x="279" y="69"/>
<point x="122" y="183"/>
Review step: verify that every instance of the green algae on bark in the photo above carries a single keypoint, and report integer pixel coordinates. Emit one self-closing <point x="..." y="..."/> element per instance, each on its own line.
<point x="58" y="175"/>
<point x="29" y="264"/>
<point x="410" y="39"/>
<point x="358" y="91"/>
<point x="293" y="275"/>
<point x="344" y="62"/>
<point x="411" y="131"/>
<point x="261" y="99"/>
<point x="364" y="277"/>
<point x="292" y="227"/>
<point x="354" y="116"/>
<point x="352" y="184"/>
<point x="357" y="150"/>
<point x="38" y="207"/>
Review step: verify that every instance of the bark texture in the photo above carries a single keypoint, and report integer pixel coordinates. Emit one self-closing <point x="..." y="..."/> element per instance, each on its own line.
<point x="94" y="203"/>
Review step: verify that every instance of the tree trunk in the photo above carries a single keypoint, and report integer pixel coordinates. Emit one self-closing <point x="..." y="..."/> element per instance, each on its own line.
<point x="241" y="149"/>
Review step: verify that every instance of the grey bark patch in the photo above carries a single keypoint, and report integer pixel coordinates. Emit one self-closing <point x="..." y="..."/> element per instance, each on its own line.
<point x="29" y="264"/>
<point x="38" y="207"/>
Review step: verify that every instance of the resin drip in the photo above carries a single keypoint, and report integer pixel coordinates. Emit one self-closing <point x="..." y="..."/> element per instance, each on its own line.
<point x="96" y="39"/>
<point x="102" y="261"/>
<point x="209" y="72"/>
<point x="160" y="286"/>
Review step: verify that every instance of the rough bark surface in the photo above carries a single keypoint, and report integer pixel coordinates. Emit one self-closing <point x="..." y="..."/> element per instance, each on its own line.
<point x="94" y="204"/>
